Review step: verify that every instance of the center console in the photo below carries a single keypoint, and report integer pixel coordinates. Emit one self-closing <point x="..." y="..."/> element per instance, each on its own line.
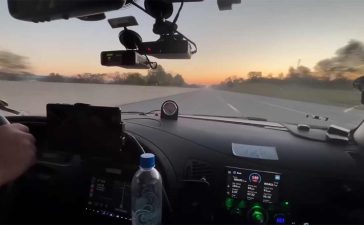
<point x="107" y="196"/>
<point x="254" y="197"/>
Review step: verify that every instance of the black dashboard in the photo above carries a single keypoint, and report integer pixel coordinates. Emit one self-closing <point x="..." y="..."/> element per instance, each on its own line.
<point x="231" y="172"/>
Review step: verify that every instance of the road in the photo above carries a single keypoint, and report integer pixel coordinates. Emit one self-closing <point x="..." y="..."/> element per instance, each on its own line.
<point x="222" y="103"/>
<point x="31" y="98"/>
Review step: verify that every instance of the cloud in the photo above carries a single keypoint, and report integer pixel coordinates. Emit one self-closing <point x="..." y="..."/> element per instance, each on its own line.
<point x="348" y="62"/>
<point x="12" y="61"/>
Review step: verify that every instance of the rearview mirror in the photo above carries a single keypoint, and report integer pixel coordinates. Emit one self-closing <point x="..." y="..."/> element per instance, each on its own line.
<point x="47" y="10"/>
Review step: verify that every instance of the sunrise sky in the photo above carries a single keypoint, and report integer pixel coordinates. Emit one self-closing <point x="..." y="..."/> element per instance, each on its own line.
<point x="258" y="35"/>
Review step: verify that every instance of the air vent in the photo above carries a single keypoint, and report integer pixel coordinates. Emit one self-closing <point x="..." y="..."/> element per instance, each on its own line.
<point x="196" y="170"/>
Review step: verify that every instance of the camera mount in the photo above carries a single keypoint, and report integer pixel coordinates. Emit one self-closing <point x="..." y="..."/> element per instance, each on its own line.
<point x="171" y="44"/>
<point x="130" y="58"/>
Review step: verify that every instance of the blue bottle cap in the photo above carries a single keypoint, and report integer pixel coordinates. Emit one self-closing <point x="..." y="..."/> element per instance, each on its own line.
<point x="147" y="161"/>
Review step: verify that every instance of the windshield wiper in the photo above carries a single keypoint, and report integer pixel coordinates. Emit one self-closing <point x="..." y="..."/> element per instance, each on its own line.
<point x="139" y="112"/>
<point x="253" y="118"/>
<point x="4" y="106"/>
<point x="234" y="117"/>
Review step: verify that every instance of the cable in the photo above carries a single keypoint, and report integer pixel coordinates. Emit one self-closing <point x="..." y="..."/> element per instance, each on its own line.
<point x="193" y="43"/>
<point x="153" y="65"/>
<point x="137" y="142"/>
<point x="179" y="11"/>
<point x="174" y="22"/>
<point x="163" y="189"/>
<point x="143" y="118"/>
<point x="139" y="7"/>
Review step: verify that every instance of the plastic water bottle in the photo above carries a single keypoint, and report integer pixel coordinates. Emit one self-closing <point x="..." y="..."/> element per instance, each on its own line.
<point x="146" y="193"/>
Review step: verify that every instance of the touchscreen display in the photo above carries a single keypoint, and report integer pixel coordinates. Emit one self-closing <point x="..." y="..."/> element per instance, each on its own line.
<point x="109" y="197"/>
<point x="252" y="185"/>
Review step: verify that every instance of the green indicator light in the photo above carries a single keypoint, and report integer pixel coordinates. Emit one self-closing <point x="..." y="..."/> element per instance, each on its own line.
<point x="285" y="204"/>
<point x="229" y="202"/>
<point x="242" y="204"/>
<point x="256" y="207"/>
<point x="258" y="217"/>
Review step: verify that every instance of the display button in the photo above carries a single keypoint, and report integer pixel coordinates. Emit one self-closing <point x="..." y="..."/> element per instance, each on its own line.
<point x="258" y="217"/>
<point x="229" y="202"/>
<point x="257" y="214"/>
<point x="280" y="220"/>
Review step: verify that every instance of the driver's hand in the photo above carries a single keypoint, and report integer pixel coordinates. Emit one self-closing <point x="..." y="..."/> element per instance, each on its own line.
<point x="17" y="151"/>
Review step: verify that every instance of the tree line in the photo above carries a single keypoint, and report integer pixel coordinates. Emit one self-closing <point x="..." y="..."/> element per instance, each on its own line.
<point x="295" y="76"/>
<point x="155" y="77"/>
<point x="334" y="72"/>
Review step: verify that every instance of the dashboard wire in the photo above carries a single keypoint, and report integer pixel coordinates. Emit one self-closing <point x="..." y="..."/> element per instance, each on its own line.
<point x="141" y="149"/>
<point x="164" y="190"/>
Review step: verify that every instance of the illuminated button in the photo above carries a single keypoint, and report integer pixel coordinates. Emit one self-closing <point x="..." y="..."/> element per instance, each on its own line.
<point x="257" y="214"/>
<point x="257" y="206"/>
<point x="280" y="219"/>
<point x="258" y="217"/>
<point x="285" y="204"/>
<point x="229" y="202"/>
<point x="242" y="204"/>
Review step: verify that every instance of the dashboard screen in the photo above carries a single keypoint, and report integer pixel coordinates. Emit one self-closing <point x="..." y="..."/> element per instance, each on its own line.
<point x="252" y="185"/>
<point x="84" y="129"/>
<point x="109" y="197"/>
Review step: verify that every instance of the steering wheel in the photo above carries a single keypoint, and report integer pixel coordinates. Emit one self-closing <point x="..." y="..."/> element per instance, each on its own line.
<point x="4" y="191"/>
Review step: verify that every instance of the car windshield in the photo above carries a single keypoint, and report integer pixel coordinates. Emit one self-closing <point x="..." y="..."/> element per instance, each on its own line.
<point x="288" y="61"/>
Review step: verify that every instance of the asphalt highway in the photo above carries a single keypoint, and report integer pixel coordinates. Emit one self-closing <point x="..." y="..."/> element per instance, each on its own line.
<point x="222" y="103"/>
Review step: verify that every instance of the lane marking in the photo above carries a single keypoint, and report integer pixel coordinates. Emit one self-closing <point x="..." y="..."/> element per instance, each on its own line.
<point x="350" y="109"/>
<point x="286" y="108"/>
<point x="233" y="108"/>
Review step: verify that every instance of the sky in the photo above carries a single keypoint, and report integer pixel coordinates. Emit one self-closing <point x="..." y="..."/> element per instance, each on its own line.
<point x="258" y="35"/>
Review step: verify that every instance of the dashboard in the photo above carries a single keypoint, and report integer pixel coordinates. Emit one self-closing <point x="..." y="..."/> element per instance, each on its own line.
<point x="231" y="172"/>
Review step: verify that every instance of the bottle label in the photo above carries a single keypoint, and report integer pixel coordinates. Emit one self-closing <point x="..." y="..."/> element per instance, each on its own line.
<point x="148" y="206"/>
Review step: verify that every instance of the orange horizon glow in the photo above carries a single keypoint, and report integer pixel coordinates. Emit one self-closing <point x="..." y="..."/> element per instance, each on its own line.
<point x="205" y="68"/>
<point x="265" y="36"/>
<point x="203" y="78"/>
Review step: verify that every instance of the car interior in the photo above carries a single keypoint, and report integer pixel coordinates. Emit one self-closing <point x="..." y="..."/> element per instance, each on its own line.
<point x="215" y="170"/>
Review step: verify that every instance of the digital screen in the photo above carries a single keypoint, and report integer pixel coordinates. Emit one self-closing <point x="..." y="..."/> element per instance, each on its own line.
<point x="112" y="58"/>
<point x="84" y="129"/>
<point x="109" y="197"/>
<point x="252" y="185"/>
